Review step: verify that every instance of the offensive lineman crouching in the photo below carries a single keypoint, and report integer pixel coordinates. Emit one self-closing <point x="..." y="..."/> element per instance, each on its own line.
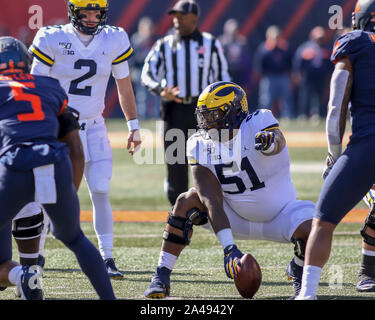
<point x="242" y="186"/>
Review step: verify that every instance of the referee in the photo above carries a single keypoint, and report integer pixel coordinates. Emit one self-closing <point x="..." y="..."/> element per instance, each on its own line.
<point x="178" y="68"/>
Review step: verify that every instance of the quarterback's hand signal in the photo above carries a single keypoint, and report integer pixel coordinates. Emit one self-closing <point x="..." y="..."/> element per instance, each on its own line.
<point x="232" y="257"/>
<point x="264" y="140"/>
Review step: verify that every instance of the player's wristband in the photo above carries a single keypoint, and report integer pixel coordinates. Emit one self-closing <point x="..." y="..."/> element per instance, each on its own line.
<point x="133" y="124"/>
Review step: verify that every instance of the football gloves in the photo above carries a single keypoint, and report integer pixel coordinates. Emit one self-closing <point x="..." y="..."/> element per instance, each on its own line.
<point x="330" y="161"/>
<point x="264" y="140"/>
<point x="232" y="257"/>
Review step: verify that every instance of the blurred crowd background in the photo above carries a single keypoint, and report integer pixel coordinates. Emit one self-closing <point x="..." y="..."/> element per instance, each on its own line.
<point x="277" y="50"/>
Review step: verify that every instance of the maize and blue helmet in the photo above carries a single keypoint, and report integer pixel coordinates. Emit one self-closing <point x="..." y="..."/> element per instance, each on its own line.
<point x="222" y="105"/>
<point x="75" y="17"/>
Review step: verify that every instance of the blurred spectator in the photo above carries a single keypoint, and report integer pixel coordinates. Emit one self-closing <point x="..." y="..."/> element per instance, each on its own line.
<point x="312" y="69"/>
<point x="148" y="105"/>
<point x="237" y="52"/>
<point x="4" y="31"/>
<point x="272" y="67"/>
<point x="26" y="35"/>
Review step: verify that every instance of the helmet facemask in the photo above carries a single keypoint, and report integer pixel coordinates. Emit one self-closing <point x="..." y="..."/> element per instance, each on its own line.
<point x="211" y="118"/>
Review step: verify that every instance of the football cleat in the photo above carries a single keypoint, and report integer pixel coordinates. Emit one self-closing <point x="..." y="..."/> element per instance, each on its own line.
<point x="113" y="272"/>
<point x="160" y="284"/>
<point x="365" y="283"/>
<point x="29" y="286"/>
<point x="294" y="273"/>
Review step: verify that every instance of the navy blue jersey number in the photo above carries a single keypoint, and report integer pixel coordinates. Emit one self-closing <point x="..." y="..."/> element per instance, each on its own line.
<point x="79" y="64"/>
<point x="245" y="166"/>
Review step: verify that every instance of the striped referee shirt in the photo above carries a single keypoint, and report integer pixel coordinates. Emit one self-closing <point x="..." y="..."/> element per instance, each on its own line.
<point x="191" y="63"/>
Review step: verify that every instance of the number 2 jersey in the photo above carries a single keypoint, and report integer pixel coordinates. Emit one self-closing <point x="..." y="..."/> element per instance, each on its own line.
<point x="83" y="71"/>
<point x="29" y="126"/>
<point x="255" y="186"/>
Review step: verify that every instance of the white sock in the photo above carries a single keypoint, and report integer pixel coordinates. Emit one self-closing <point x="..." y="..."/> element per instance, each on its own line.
<point x="105" y="245"/>
<point x="167" y="260"/>
<point x="368" y="252"/>
<point x="103" y="223"/>
<point x="225" y="237"/>
<point x="14" y="274"/>
<point x="310" y="282"/>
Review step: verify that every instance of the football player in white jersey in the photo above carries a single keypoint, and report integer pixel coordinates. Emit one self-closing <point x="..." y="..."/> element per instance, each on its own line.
<point x="82" y="55"/>
<point x="242" y="186"/>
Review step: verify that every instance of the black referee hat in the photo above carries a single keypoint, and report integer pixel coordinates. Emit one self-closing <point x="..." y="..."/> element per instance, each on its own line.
<point x="185" y="6"/>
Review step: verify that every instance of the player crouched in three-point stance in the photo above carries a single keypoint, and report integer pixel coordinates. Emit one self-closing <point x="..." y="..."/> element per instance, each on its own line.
<point x="242" y="187"/>
<point x="82" y="55"/>
<point x="352" y="173"/>
<point x="35" y="166"/>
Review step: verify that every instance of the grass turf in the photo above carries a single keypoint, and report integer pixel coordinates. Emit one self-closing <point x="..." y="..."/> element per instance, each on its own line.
<point x="199" y="271"/>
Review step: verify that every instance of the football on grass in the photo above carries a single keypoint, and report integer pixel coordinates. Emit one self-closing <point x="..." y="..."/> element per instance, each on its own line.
<point x="249" y="276"/>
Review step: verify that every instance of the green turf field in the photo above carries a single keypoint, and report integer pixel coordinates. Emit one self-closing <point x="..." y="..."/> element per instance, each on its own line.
<point x="199" y="272"/>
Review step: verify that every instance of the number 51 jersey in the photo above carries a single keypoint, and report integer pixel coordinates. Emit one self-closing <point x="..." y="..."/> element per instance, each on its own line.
<point x="255" y="186"/>
<point x="83" y="71"/>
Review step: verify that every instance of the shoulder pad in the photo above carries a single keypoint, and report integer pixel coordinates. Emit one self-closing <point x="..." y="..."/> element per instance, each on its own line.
<point x="113" y="29"/>
<point x="51" y="29"/>
<point x="349" y="44"/>
<point x="262" y="119"/>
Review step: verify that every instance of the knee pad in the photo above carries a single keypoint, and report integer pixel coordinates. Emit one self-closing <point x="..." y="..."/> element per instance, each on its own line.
<point x="29" y="227"/>
<point x="98" y="176"/>
<point x="299" y="248"/>
<point x="369" y="223"/>
<point x="193" y="217"/>
<point x="101" y="185"/>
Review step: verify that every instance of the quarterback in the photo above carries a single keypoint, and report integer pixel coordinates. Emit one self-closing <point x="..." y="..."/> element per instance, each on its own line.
<point x="82" y="55"/>
<point x="242" y="186"/>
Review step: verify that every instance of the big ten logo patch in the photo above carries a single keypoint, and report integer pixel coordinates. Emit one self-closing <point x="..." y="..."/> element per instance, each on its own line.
<point x="66" y="48"/>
